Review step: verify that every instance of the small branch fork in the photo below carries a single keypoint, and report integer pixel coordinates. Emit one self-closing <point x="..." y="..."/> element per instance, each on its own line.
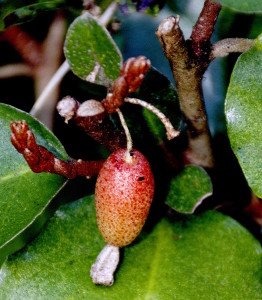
<point x="189" y="61"/>
<point x="93" y="118"/>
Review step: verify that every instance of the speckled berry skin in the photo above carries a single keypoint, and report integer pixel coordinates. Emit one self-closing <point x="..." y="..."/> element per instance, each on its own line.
<point x="123" y="196"/>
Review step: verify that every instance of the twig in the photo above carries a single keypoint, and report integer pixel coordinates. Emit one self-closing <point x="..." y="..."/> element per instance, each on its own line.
<point x="131" y="76"/>
<point x="170" y="130"/>
<point x="107" y="15"/>
<point x="27" y="47"/>
<point x="188" y="84"/>
<point x="203" y="29"/>
<point x="43" y="59"/>
<point x="13" y="70"/>
<point x="227" y="46"/>
<point x="92" y="118"/>
<point x="52" y="51"/>
<point x="40" y="159"/>
<point x="129" y="142"/>
<point x="254" y="209"/>
<point x="55" y="80"/>
<point x="189" y="61"/>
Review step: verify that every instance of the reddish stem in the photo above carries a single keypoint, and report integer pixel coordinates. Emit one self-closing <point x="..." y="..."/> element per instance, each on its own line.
<point x="28" y="48"/>
<point x="40" y="159"/>
<point x="131" y="76"/>
<point x="203" y="30"/>
<point x="92" y="118"/>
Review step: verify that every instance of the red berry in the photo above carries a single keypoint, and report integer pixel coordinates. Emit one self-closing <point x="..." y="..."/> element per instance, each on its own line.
<point x="123" y="196"/>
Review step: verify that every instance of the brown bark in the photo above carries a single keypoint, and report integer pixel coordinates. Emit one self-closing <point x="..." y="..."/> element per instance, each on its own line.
<point x="188" y="61"/>
<point x="92" y="118"/>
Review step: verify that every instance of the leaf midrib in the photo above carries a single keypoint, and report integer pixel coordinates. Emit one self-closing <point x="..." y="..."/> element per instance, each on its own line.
<point x="161" y="232"/>
<point x="15" y="174"/>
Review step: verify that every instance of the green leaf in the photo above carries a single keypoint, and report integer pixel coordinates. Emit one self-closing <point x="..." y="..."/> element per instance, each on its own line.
<point x="159" y="91"/>
<point x="25" y="196"/>
<point x="203" y="257"/>
<point x="247" y="6"/>
<point x="243" y="110"/>
<point x="20" y="11"/>
<point x="90" y="48"/>
<point x="188" y="189"/>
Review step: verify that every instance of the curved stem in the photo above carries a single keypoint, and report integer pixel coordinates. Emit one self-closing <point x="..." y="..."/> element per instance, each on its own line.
<point x="55" y="80"/>
<point x="225" y="47"/>
<point x="13" y="70"/>
<point x="170" y="130"/>
<point x="129" y="142"/>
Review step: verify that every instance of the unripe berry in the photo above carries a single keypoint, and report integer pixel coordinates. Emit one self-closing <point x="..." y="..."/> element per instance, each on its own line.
<point x="123" y="196"/>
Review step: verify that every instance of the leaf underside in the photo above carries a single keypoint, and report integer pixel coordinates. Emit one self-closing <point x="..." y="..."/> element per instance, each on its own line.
<point x="209" y="256"/>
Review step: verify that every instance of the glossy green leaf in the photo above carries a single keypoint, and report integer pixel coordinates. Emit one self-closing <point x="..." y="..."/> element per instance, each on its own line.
<point x="203" y="257"/>
<point x="90" y="50"/>
<point x="19" y="11"/>
<point x="247" y="6"/>
<point x="25" y="196"/>
<point x="243" y="113"/>
<point x="188" y="189"/>
<point x="159" y="91"/>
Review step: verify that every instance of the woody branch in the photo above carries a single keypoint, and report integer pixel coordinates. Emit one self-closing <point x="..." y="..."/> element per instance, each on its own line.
<point x="189" y="61"/>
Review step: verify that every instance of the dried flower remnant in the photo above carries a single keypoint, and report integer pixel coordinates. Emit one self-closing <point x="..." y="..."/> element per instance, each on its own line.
<point x="102" y="271"/>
